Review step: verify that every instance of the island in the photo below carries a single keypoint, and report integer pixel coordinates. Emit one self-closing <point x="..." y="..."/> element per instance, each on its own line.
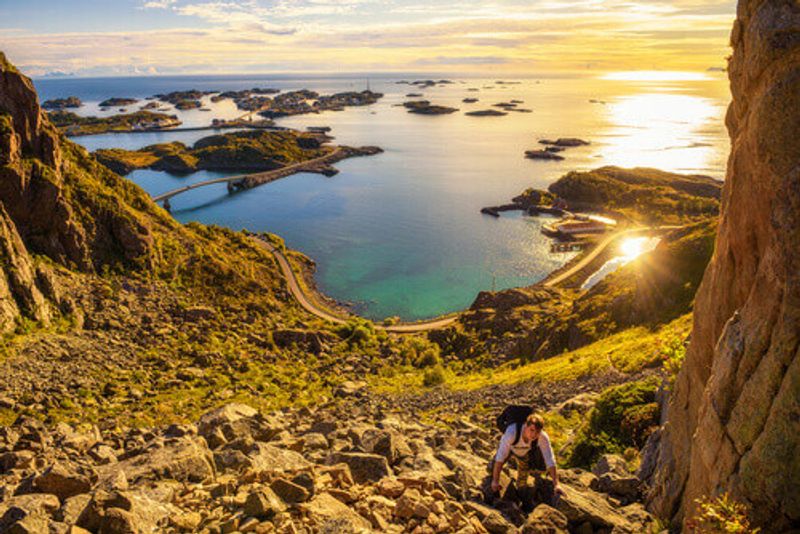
<point x="486" y="113"/>
<point x="304" y="101"/>
<point x="75" y="125"/>
<point x="565" y="142"/>
<point x="552" y="147"/>
<point x="424" y="107"/>
<point x="184" y="100"/>
<point x="470" y="100"/>
<point x="248" y="99"/>
<point x="247" y="151"/>
<point x="116" y="102"/>
<point x="543" y="155"/>
<point x="63" y="103"/>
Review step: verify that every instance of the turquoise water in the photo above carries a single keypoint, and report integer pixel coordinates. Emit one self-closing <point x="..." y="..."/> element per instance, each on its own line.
<point x="401" y="233"/>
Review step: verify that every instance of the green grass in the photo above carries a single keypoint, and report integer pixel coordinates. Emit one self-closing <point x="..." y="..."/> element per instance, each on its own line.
<point x="628" y="351"/>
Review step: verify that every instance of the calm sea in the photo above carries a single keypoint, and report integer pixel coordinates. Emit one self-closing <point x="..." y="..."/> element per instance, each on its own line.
<point x="401" y="233"/>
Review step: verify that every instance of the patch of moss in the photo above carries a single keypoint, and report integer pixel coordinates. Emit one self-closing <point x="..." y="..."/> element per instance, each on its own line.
<point x="623" y="417"/>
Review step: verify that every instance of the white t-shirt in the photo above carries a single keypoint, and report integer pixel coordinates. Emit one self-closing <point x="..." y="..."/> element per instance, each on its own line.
<point x="521" y="448"/>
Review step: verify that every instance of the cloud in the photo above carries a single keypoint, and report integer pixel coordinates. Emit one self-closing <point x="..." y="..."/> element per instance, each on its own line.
<point x="158" y="4"/>
<point x="465" y="60"/>
<point x="358" y="35"/>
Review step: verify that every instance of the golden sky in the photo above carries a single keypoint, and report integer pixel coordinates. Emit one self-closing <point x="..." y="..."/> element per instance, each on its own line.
<point x="523" y="38"/>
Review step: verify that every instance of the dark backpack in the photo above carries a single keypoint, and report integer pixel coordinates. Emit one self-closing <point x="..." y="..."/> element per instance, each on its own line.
<point x="513" y="415"/>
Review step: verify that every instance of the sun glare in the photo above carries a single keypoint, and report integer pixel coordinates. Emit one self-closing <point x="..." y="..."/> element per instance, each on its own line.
<point x="633" y="247"/>
<point x="656" y="76"/>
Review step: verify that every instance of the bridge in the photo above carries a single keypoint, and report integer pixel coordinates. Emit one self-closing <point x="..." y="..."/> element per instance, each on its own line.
<point x="238" y="182"/>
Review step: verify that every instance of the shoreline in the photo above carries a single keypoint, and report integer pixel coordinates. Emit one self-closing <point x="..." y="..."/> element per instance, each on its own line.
<point x="312" y="299"/>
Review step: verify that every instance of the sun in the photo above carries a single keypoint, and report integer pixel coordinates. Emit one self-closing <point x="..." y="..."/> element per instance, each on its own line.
<point x="633" y="247"/>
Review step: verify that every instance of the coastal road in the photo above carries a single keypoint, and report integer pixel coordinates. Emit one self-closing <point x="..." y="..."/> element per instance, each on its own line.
<point x="588" y="258"/>
<point x="323" y="312"/>
<point x="262" y="177"/>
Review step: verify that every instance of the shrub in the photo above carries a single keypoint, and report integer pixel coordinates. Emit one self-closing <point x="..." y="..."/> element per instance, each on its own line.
<point x="721" y="515"/>
<point x="623" y="417"/>
<point x="433" y="376"/>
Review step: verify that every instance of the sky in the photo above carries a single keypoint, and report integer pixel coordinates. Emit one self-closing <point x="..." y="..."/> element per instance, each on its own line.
<point x="516" y="37"/>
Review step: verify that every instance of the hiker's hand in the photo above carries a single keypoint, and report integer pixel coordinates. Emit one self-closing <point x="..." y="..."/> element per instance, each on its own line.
<point x="495" y="486"/>
<point x="558" y="490"/>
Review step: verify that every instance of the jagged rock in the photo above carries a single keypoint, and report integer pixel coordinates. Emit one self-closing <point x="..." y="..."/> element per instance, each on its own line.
<point x="611" y="463"/>
<point x="388" y="443"/>
<point x="732" y="416"/>
<point x="267" y="458"/>
<point x="63" y="481"/>
<point x="306" y="481"/>
<point x="183" y="459"/>
<point x="289" y="492"/>
<point x="234" y="421"/>
<point x="263" y="503"/>
<point x="33" y="503"/>
<point x="72" y="508"/>
<point x="17" y="520"/>
<point x="324" y="507"/>
<point x="623" y="486"/>
<point x="545" y="520"/>
<point x="497" y="524"/>
<point x="20" y="296"/>
<point x="118" y="521"/>
<point x="580" y="506"/>
<point x="363" y="466"/>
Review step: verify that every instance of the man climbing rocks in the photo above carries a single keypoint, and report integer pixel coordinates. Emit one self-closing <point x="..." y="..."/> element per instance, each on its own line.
<point x="528" y="444"/>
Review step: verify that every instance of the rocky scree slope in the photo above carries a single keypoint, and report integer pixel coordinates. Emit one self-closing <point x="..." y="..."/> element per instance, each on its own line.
<point x="349" y="468"/>
<point x="734" y="414"/>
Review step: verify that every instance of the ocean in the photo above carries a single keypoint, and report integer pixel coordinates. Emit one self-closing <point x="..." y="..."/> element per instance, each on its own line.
<point x="401" y="233"/>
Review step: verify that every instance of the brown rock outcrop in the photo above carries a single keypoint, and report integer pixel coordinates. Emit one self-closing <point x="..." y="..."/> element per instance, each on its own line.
<point x="63" y="204"/>
<point x="20" y="295"/>
<point x="734" y="414"/>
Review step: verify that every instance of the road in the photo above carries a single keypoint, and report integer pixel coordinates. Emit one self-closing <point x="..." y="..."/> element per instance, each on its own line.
<point x="262" y="177"/>
<point x="588" y="258"/>
<point x="323" y="312"/>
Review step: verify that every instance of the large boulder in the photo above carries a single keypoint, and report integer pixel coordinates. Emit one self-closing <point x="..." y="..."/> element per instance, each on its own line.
<point x="324" y="508"/>
<point x="545" y="520"/>
<point x="185" y="459"/>
<point x="64" y="480"/>
<point x="364" y="467"/>
<point x="235" y="421"/>
<point x="583" y="505"/>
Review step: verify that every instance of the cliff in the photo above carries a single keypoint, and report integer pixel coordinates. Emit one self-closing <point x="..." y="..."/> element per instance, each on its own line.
<point x="734" y="414"/>
<point x="62" y="203"/>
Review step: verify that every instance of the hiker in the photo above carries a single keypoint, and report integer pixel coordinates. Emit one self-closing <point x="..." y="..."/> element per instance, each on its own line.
<point x="525" y="440"/>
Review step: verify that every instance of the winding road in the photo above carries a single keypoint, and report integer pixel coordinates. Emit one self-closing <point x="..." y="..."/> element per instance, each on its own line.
<point x="322" y="311"/>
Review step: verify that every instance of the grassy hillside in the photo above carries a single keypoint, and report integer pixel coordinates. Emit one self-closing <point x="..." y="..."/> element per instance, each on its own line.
<point x="643" y="195"/>
<point x="254" y="150"/>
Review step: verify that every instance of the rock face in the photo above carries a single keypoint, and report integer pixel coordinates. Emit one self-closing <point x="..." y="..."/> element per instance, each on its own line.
<point x="734" y="413"/>
<point x="63" y="204"/>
